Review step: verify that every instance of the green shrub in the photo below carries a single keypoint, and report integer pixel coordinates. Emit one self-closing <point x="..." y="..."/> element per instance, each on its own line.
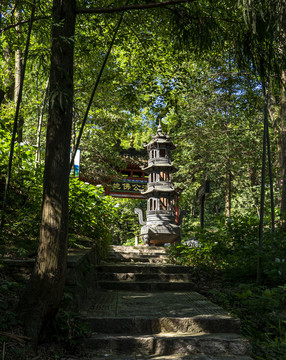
<point x="262" y="314"/>
<point x="232" y="247"/>
<point x="92" y="213"/>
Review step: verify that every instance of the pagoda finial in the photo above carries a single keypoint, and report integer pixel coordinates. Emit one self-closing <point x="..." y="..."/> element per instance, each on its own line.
<point x="159" y="129"/>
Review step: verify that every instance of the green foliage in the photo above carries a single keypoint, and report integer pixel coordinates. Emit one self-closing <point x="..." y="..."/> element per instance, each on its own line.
<point x="232" y="247"/>
<point x="8" y="299"/>
<point x="70" y="330"/>
<point x="23" y="213"/>
<point x="92" y="213"/>
<point x="126" y="225"/>
<point x="230" y="251"/>
<point x="259" y="308"/>
<point x="10" y="324"/>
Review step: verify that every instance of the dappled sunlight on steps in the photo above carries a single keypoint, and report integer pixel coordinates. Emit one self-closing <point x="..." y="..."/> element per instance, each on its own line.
<point x="144" y="308"/>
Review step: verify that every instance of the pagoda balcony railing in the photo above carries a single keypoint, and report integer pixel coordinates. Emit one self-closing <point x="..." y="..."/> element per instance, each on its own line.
<point x="168" y="184"/>
<point x="160" y="161"/>
<point x="160" y="214"/>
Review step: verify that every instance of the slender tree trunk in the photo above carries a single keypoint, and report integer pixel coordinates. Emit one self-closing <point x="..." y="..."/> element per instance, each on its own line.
<point x="9" y="78"/>
<point x="40" y="125"/>
<point x="18" y="74"/>
<point x="228" y="191"/>
<point x="228" y="178"/>
<point x="44" y="291"/>
<point x="2" y="94"/>
<point x="282" y="137"/>
<point x="282" y="143"/>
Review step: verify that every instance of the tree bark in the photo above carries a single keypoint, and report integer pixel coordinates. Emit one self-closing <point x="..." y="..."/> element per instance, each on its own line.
<point x="18" y="75"/>
<point x="40" y="124"/>
<point x="282" y="123"/>
<point x="9" y="78"/>
<point x="282" y="144"/>
<point x="228" y="178"/>
<point x="228" y="191"/>
<point x="44" y="291"/>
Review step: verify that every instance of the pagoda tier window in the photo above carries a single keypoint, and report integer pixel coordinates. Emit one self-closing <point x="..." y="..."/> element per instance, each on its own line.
<point x="153" y="177"/>
<point x="152" y="204"/>
<point x="153" y="154"/>
<point x="164" y="176"/>
<point x="164" y="203"/>
<point x="172" y="205"/>
<point x="162" y="153"/>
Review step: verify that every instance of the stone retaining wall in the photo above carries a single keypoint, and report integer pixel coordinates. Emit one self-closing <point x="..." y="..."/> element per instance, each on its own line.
<point x="80" y="271"/>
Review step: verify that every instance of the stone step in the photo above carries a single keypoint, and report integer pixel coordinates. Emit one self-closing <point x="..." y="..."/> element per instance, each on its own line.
<point x="146" y="285"/>
<point x="143" y="268"/>
<point x="154" y="325"/>
<point x="144" y="308"/>
<point x="130" y="276"/>
<point x="155" y="250"/>
<point x="147" y="254"/>
<point x="165" y="357"/>
<point x="169" y="344"/>
<point x="141" y="258"/>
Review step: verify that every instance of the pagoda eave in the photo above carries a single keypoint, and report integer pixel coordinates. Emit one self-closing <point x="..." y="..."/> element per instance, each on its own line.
<point x="159" y="190"/>
<point x="156" y="142"/>
<point x="159" y="165"/>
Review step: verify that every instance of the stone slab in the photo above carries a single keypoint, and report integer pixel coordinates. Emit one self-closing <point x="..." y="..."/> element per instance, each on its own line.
<point x="131" y="276"/>
<point x="152" y="304"/>
<point x="146" y="286"/>
<point x="138" y="249"/>
<point x="165" y="357"/>
<point x="169" y="344"/>
<point x="143" y="268"/>
<point x="155" y="325"/>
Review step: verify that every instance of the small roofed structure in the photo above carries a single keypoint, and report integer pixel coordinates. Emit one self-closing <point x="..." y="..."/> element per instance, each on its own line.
<point x="132" y="180"/>
<point x="162" y="218"/>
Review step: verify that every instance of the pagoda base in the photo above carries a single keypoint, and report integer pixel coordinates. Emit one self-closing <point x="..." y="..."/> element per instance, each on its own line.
<point x="160" y="234"/>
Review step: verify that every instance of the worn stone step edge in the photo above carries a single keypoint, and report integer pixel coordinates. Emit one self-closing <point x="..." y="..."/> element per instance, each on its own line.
<point x="137" y="256"/>
<point x="152" y="325"/>
<point x="140" y="259"/>
<point x="143" y="268"/>
<point x="143" y="259"/>
<point x="164" y="357"/>
<point x="138" y="249"/>
<point x="130" y="276"/>
<point x="147" y="286"/>
<point x="90" y="356"/>
<point x="169" y="344"/>
<point x="143" y="254"/>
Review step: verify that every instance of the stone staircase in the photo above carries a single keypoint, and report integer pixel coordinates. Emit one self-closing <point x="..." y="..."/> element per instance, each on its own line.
<point x="144" y="308"/>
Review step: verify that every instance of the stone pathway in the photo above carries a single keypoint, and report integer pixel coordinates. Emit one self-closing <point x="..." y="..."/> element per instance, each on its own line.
<point x="144" y="308"/>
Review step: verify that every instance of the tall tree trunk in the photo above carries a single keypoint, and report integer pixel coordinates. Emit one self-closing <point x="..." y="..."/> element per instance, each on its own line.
<point x="44" y="291"/>
<point x="40" y="124"/>
<point x="228" y="179"/>
<point x="18" y="74"/>
<point x="9" y="78"/>
<point x="228" y="190"/>
<point x="282" y="137"/>
<point x="283" y="144"/>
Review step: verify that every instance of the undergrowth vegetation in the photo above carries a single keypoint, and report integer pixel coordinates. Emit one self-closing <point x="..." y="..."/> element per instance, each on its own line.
<point x="93" y="217"/>
<point x="229" y="255"/>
